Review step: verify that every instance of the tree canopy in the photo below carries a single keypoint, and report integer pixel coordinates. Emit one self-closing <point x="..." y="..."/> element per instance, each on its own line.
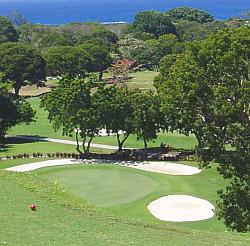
<point x="13" y="111"/>
<point x="153" y="22"/>
<point x="147" y="117"/>
<point x="8" y="32"/>
<point x="71" y="109"/>
<point x="206" y="92"/>
<point x="117" y="112"/>
<point x="190" y="14"/>
<point x="21" y="64"/>
<point x="78" y="60"/>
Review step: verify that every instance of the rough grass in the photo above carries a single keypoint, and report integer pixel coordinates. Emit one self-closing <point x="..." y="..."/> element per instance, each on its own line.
<point x="61" y="218"/>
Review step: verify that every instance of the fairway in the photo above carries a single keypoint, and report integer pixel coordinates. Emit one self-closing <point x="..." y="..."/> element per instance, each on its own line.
<point x="103" y="186"/>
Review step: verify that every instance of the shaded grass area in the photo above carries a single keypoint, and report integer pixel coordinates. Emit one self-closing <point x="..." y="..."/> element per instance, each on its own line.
<point x="43" y="128"/>
<point x="41" y="147"/>
<point x="62" y="218"/>
<point x="100" y="184"/>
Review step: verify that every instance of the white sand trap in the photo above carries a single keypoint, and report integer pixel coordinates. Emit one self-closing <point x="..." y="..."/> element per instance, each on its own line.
<point x="180" y="208"/>
<point x="168" y="168"/>
<point x="41" y="164"/>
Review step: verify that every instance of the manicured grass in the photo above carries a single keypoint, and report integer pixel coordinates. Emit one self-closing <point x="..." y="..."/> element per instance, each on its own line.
<point x="97" y="183"/>
<point x="113" y="187"/>
<point x="142" y="80"/>
<point x="43" y="128"/>
<point x="63" y="219"/>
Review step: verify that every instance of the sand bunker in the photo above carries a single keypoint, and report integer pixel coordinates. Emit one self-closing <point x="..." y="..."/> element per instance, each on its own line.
<point x="168" y="168"/>
<point x="41" y="164"/>
<point x="158" y="167"/>
<point x="180" y="208"/>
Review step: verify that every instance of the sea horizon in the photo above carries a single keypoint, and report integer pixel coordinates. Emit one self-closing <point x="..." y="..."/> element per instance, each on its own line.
<point x="56" y="12"/>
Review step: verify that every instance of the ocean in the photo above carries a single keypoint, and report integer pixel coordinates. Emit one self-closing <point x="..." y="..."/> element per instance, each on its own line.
<point x="65" y="11"/>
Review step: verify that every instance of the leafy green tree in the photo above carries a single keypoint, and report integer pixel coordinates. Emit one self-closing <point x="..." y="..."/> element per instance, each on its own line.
<point x="79" y="60"/>
<point x="144" y="36"/>
<point x="98" y="58"/>
<point x="106" y="36"/>
<point x="147" y="117"/>
<point x="133" y="49"/>
<point x="158" y="48"/>
<point x="58" y="62"/>
<point x="43" y="37"/>
<point x="195" y="31"/>
<point x="71" y="109"/>
<point x="115" y="105"/>
<point x="12" y="111"/>
<point x="8" y="32"/>
<point x="190" y="14"/>
<point x="153" y="22"/>
<point x="21" y="64"/>
<point x="206" y="92"/>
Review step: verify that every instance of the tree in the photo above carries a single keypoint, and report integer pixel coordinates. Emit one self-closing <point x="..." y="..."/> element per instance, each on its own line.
<point x="71" y="109"/>
<point x="133" y="49"/>
<point x="147" y="117"/>
<point x="115" y="105"/>
<point x="105" y="36"/>
<point x="121" y="69"/>
<point x="195" y="31"/>
<point x="79" y="60"/>
<point x="206" y="92"/>
<point x="190" y="14"/>
<point x="59" y="62"/>
<point x="98" y="56"/>
<point x="21" y="64"/>
<point x="43" y="37"/>
<point x="13" y="111"/>
<point x="153" y="22"/>
<point x="158" y="48"/>
<point x="7" y="31"/>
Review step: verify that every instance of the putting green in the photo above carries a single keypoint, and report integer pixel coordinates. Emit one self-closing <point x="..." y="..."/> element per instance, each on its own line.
<point x="103" y="186"/>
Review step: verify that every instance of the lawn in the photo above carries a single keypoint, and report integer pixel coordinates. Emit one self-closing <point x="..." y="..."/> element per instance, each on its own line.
<point x="65" y="218"/>
<point x="142" y="80"/>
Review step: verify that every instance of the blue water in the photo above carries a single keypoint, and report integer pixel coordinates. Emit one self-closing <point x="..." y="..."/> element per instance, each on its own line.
<point x="64" y="11"/>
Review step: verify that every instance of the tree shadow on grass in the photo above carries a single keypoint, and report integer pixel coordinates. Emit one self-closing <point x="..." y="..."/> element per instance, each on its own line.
<point x="21" y="139"/>
<point x="8" y="143"/>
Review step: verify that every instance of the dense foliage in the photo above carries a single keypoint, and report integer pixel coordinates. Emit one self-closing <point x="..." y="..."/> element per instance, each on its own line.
<point x="7" y="31"/>
<point x="206" y="92"/>
<point x="12" y="111"/>
<point x="76" y="61"/>
<point x="190" y="14"/>
<point x="21" y="64"/>
<point x="153" y="22"/>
